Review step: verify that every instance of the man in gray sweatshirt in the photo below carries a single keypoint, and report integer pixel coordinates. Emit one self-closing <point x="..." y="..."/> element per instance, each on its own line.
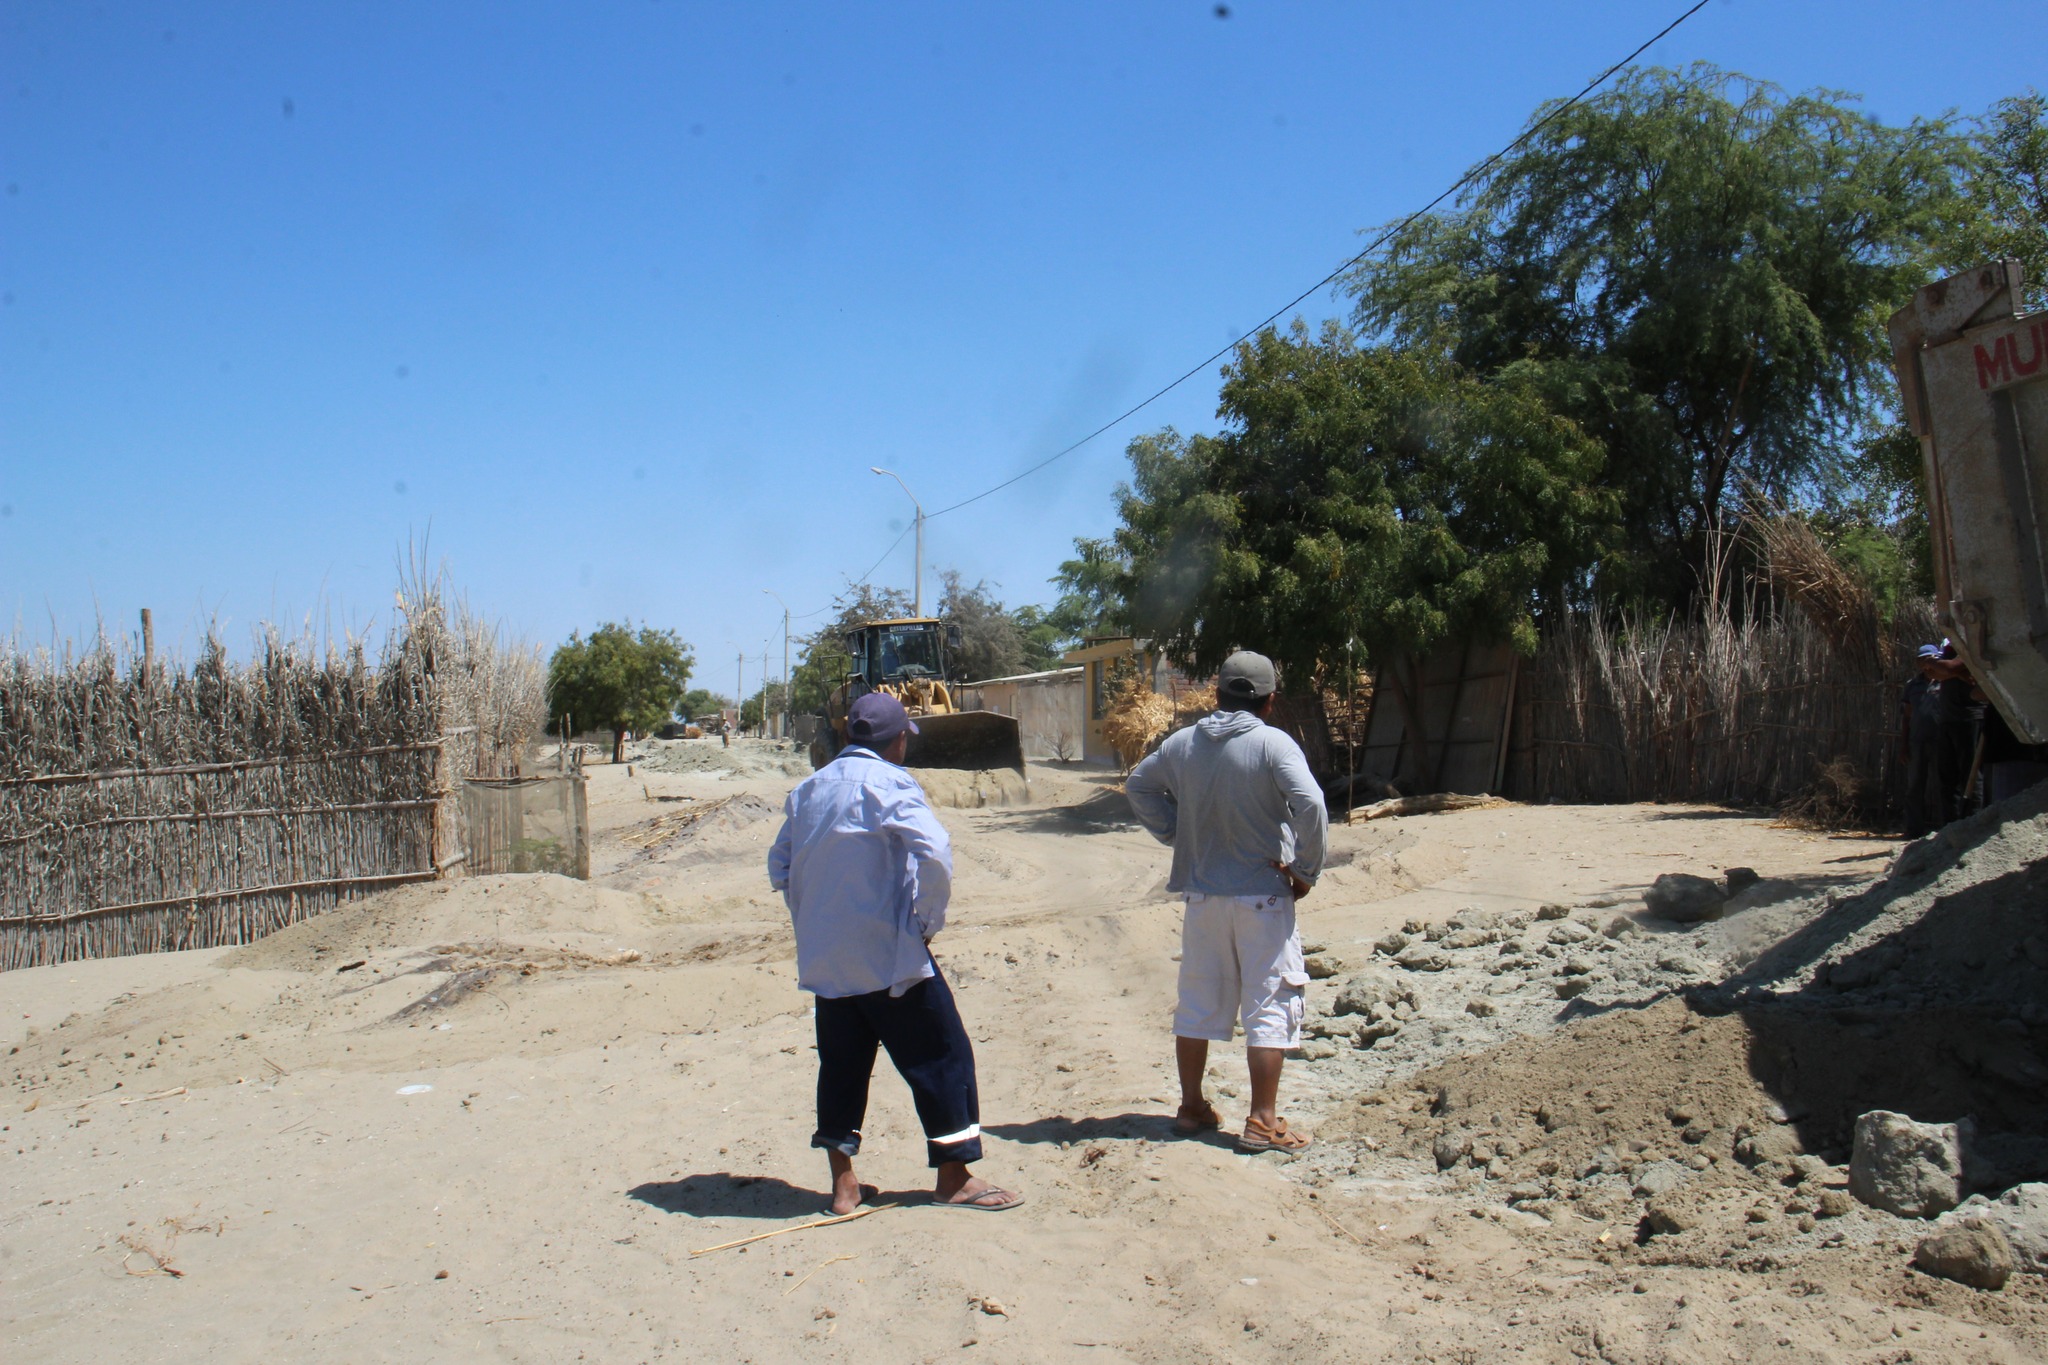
<point x="1236" y="801"/>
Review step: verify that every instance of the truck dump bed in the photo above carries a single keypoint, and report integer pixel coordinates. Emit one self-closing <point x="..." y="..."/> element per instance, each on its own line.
<point x="1973" y="373"/>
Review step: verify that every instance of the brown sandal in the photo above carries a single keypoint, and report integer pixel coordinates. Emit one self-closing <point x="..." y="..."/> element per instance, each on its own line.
<point x="1257" y="1137"/>
<point x="1191" y="1119"/>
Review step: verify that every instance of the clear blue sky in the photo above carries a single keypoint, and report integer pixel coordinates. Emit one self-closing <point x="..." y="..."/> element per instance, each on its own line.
<point x="622" y="299"/>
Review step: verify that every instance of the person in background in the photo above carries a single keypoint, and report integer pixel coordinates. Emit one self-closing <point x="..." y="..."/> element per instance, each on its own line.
<point x="866" y="870"/>
<point x="1936" y="731"/>
<point x="1962" y="728"/>
<point x="1235" y="800"/>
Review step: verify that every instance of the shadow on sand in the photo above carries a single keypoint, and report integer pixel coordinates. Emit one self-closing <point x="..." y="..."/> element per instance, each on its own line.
<point x="1109" y="1127"/>
<point x="723" y="1195"/>
<point x="1103" y="811"/>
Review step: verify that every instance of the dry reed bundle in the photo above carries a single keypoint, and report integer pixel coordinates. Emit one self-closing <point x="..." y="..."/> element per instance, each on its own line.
<point x="1135" y="718"/>
<point x="1801" y="567"/>
<point x="1193" y="702"/>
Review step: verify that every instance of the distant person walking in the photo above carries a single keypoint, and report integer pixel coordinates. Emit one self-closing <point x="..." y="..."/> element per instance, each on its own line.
<point x="1235" y="799"/>
<point x="866" y="870"/>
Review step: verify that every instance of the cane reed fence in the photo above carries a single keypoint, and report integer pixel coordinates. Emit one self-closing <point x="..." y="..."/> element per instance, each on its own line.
<point x="1761" y="712"/>
<point x="146" y="807"/>
<point x="1785" y="698"/>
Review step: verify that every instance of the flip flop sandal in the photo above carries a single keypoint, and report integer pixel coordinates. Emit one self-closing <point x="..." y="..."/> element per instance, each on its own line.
<point x="1004" y="1199"/>
<point x="1199" y="1118"/>
<point x="1257" y="1137"/>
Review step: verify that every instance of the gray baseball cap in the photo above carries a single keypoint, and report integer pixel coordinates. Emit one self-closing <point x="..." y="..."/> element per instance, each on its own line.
<point x="1246" y="675"/>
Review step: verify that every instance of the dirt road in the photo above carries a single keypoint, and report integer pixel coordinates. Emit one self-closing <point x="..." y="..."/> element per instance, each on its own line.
<point x="494" y="1118"/>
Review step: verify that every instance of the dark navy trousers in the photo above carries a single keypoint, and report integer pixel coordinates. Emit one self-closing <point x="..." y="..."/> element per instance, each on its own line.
<point x="928" y="1044"/>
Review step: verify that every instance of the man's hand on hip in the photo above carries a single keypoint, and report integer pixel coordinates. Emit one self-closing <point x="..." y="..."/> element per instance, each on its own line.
<point x="1295" y="884"/>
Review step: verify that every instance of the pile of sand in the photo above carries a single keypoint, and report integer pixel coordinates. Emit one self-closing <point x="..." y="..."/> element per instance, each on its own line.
<point x="524" y="908"/>
<point x="747" y="758"/>
<point x="681" y="848"/>
<point x="962" y="789"/>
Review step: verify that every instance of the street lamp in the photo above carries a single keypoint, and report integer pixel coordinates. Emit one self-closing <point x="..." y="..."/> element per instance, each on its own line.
<point x="917" y="575"/>
<point x="785" y="658"/>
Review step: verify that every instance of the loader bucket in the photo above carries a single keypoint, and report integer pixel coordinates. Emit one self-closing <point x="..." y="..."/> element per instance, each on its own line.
<point x="966" y="739"/>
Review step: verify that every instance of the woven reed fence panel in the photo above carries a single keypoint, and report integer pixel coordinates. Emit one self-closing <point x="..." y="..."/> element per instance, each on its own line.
<point x="197" y="856"/>
<point x="533" y="824"/>
<point x="1754" y="712"/>
<point x="147" y="806"/>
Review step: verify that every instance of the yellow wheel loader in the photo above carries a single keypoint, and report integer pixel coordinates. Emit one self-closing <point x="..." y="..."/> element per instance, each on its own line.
<point x="906" y="658"/>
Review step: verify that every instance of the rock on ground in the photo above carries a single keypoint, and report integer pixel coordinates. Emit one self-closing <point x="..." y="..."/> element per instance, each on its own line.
<point x="1971" y="1253"/>
<point x="1908" y="1168"/>
<point x="1685" y="899"/>
<point x="2021" y="1213"/>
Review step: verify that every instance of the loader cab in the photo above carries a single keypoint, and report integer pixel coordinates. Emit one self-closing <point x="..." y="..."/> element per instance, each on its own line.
<point x="900" y="651"/>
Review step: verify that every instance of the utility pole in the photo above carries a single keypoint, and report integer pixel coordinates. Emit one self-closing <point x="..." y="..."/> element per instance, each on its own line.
<point x="739" y="687"/>
<point x="917" y="572"/>
<point x="786" y="713"/>
<point x="764" y="689"/>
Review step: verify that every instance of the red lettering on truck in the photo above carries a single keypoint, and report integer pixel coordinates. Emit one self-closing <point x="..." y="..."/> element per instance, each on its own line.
<point x="2020" y="354"/>
<point x="1995" y="368"/>
<point x="2033" y="362"/>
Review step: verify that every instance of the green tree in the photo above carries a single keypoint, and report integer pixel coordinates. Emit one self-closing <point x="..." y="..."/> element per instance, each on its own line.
<point x="1373" y="495"/>
<point x="991" y="645"/>
<point x="1877" y="527"/>
<point x="619" y="679"/>
<point x="1694" y="267"/>
<point x="2008" y="193"/>
<point x="995" y="641"/>
<point x="699" y="702"/>
<point x="1090" y="602"/>
<point x="1044" y="641"/>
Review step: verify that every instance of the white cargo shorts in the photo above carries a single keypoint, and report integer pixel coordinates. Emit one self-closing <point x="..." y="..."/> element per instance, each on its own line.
<point x="1240" y="962"/>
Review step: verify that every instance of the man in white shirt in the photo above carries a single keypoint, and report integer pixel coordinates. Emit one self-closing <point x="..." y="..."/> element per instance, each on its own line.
<point x="866" y="870"/>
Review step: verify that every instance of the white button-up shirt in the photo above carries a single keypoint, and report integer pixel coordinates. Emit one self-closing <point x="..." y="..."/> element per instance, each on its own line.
<point x="866" y="870"/>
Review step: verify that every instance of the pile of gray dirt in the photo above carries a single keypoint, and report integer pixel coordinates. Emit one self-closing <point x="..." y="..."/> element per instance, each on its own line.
<point x="1647" y="1117"/>
<point x="1926" y="993"/>
<point x="1700" y="1083"/>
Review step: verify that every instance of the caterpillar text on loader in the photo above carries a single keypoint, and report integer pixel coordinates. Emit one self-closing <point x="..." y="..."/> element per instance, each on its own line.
<point x="1973" y="374"/>
<point x="907" y="659"/>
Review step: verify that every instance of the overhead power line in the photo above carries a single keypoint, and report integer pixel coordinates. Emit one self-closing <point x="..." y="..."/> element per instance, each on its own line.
<point x="1467" y="178"/>
<point x="1460" y="183"/>
<point x="885" y="554"/>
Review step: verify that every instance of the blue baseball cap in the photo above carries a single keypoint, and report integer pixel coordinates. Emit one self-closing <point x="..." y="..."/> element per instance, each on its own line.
<point x="876" y="719"/>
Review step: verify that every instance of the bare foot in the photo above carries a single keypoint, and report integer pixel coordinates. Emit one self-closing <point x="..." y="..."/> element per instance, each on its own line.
<point x="959" y="1189"/>
<point x="847" y="1192"/>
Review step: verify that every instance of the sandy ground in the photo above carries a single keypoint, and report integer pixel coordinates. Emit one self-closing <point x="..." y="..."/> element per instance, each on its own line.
<point x="494" y="1118"/>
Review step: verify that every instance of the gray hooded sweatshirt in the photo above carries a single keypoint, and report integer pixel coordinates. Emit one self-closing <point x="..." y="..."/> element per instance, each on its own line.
<point x="1231" y="795"/>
